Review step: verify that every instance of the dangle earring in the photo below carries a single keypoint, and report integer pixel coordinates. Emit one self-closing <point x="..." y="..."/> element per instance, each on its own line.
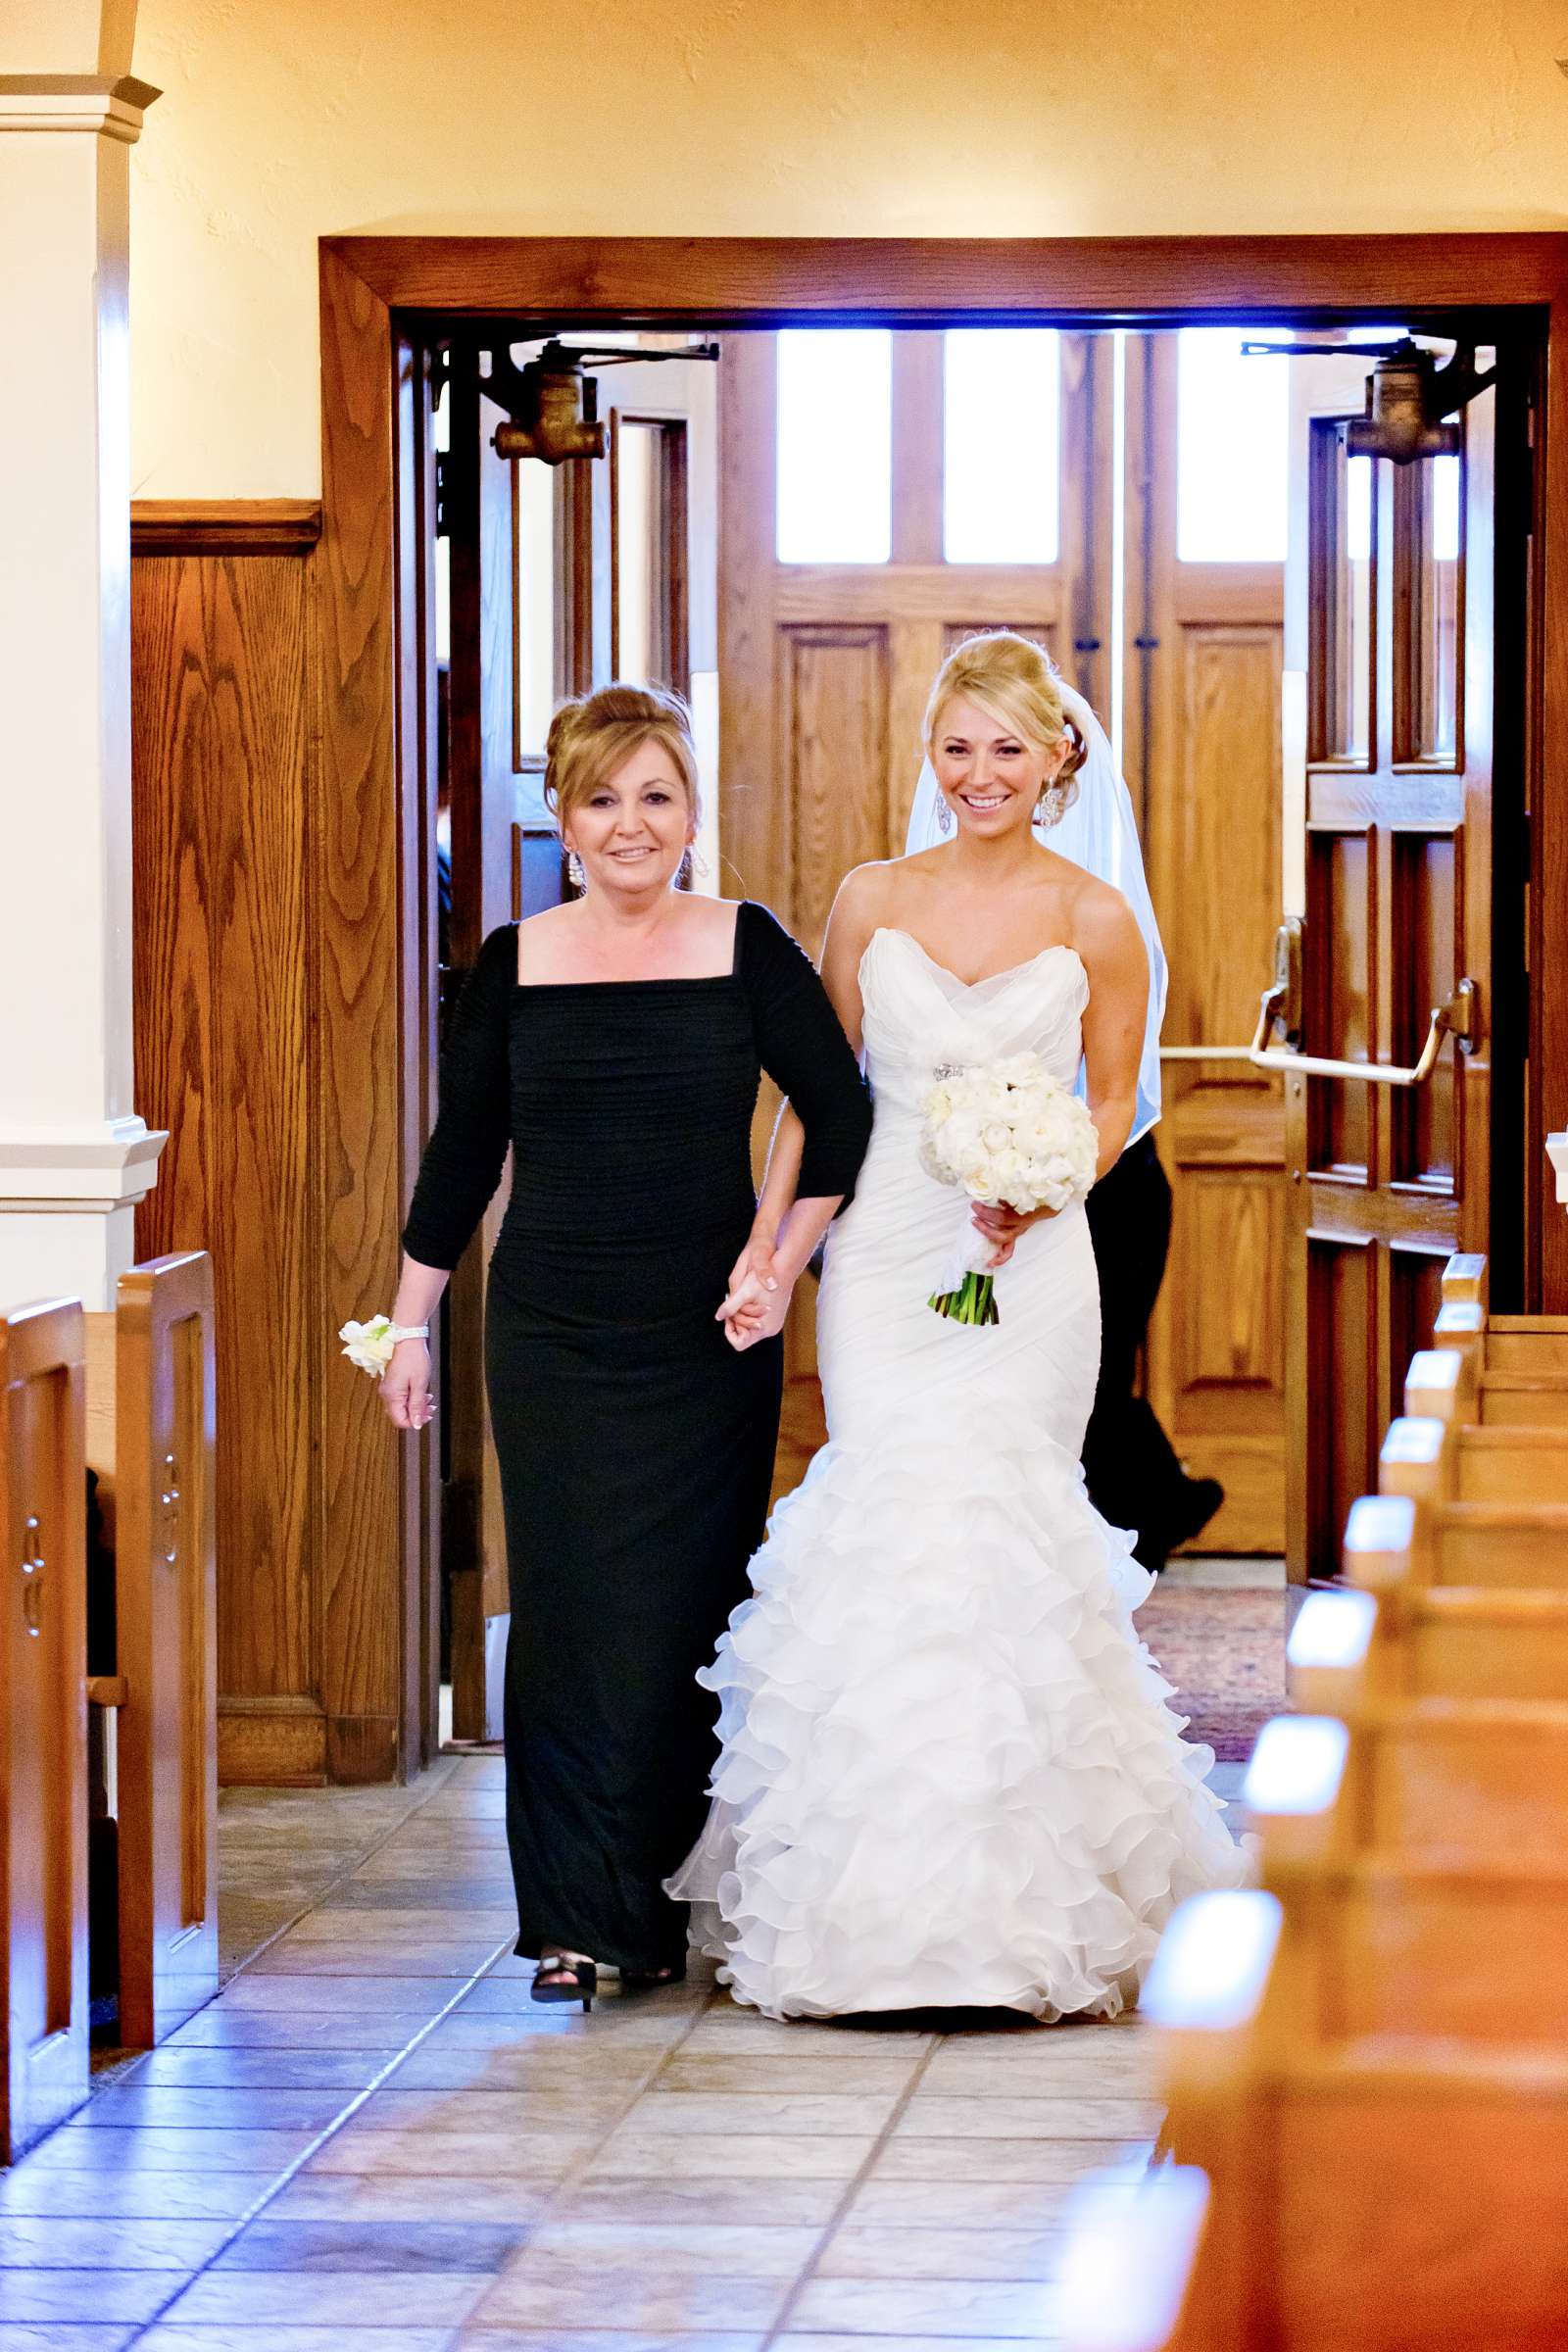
<point x="1051" y="807"/>
<point x="575" y="874"/>
<point x="944" y="817"/>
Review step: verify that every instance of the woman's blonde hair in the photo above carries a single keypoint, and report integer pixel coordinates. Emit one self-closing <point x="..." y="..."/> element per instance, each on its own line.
<point x="1016" y="682"/>
<point x="590" y="738"/>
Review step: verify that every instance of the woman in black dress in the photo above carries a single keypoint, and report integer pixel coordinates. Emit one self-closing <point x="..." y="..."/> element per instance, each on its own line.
<point x="616" y="1044"/>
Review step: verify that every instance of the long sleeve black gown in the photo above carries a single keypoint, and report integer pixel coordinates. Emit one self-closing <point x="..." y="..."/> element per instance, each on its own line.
<point x="635" y="1445"/>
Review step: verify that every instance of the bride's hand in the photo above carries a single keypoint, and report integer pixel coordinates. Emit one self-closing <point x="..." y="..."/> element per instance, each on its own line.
<point x="1002" y="1227"/>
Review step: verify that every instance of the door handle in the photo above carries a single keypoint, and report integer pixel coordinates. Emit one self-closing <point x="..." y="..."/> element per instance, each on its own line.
<point x="1283" y="1001"/>
<point x="1456" y="1019"/>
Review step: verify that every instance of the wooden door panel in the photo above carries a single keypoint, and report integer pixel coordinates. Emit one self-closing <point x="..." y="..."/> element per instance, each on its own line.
<point x="1230" y="1329"/>
<point x="1343" y="1392"/>
<point x="834" y="707"/>
<point x="1227" y="821"/>
<point x="1425" y="964"/>
<point x="1341" y="912"/>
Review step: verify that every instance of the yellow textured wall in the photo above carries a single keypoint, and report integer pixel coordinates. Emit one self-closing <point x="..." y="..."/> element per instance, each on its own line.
<point x="286" y="119"/>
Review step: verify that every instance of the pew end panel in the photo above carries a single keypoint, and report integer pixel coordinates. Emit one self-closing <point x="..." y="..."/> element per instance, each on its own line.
<point x="1334" y="1652"/>
<point x="1211" y="1994"/>
<point x="1464" y="1279"/>
<point x="1130" y="2261"/>
<point x="43" y="1741"/>
<point x="166" y="1598"/>
<point x="1417" y="1459"/>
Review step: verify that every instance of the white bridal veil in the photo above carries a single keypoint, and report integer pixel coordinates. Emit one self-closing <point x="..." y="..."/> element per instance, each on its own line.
<point x="1098" y="833"/>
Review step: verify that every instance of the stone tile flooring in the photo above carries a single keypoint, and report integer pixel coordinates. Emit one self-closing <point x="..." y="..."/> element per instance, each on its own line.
<point x="373" y="2139"/>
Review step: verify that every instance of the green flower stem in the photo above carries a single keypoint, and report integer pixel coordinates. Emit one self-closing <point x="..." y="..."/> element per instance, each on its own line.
<point x="974" y="1301"/>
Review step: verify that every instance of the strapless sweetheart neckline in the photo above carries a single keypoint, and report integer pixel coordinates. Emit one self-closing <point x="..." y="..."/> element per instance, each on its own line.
<point x="1008" y="971"/>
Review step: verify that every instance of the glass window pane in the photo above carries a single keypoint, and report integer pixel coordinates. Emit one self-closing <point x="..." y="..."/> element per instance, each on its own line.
<point x="1001" y="438"/>
<point x="1427" y="695"/>
<point x="534" y="553"/>
<point x="1232" y="446"/>
<point x="639" y="540"/>
<point x="1340" y="597"/>
<point x="835" y="445"/>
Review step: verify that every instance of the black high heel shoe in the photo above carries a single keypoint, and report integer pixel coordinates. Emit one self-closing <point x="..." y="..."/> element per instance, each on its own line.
<point x="648" y="1979"/>
<point x="557" y="1978"/>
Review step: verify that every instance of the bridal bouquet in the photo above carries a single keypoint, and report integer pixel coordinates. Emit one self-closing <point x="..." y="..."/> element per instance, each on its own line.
<point x="1005" y="1133"/>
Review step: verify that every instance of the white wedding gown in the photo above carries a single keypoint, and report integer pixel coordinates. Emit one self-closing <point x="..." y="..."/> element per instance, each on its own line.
<point x="948" y="1772"/>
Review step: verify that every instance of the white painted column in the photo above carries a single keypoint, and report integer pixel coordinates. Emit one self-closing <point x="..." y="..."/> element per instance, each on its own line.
<point x="75" y="1156"/>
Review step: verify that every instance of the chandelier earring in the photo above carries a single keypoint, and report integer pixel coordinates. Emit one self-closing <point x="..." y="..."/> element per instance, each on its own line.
<point x="576" y="873"/>
<point x="1051" y="806"/>
<point x="944" y="817"/>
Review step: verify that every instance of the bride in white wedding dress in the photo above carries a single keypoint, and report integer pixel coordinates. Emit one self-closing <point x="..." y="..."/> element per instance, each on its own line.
<point x="949" y="1772"/>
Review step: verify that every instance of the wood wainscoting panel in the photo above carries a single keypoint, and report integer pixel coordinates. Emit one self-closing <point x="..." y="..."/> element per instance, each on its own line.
<point x="223" y="783"/>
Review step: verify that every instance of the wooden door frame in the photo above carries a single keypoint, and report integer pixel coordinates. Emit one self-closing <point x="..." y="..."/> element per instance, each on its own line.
<point x="382" y="298"/>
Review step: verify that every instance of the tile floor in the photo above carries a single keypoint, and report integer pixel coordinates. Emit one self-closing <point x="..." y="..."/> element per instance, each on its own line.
<point x="372" y="2138"/>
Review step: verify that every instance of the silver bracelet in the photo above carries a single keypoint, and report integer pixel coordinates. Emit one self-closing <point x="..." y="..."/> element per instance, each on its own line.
<point x="408" y="1331"/>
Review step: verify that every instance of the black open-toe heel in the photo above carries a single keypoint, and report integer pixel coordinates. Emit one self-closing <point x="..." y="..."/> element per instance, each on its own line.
<point x="646" y="1979"/>
<point x="561" y="1980"/>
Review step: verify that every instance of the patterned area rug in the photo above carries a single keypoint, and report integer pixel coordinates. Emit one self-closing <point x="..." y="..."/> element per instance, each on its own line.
<point x="1225" y="1654"/>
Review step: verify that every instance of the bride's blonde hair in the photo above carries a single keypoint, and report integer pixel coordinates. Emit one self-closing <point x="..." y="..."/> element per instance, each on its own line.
<point x="1015" y="682"/>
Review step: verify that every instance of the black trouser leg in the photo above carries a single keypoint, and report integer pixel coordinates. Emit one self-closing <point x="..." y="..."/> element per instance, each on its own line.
<point x="1134" y="1477"/>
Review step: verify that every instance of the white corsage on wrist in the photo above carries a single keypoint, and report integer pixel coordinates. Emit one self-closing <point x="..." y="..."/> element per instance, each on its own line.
<point x="371" y="1345"/>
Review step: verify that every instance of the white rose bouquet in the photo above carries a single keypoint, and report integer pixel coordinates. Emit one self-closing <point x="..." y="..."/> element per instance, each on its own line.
<point x="1005" y="1133"/>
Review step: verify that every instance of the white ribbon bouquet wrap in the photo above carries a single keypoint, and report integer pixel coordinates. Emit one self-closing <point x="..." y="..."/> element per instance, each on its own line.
<point x="1007" y="1134"/>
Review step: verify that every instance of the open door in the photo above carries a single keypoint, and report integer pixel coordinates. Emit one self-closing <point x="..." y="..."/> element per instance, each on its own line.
<point x="1378" y="1015"/>
<point x="561" y="577"/>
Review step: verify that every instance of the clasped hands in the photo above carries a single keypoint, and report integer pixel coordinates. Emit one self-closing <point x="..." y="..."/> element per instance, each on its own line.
<point x="760" y="1289"/>
<point x="758" y="1299"/>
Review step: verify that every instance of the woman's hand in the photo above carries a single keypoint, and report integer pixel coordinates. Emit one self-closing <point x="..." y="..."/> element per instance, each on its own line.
<point x="753" y="1311"/>
<point x="1002" y="1227"/>
<point x="755" y="1261"/>
<point x="406" y="1386"/>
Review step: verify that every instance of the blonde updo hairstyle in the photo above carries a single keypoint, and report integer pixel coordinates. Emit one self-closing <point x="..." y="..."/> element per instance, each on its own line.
<point x="591" y="737"/>
<point x="1015" y="682"/>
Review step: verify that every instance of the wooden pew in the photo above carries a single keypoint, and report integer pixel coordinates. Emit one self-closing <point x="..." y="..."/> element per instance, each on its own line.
<point x="43" y="1745"/>
<point x="1393" y="1933"/>
<point x="1382" y="2192"/>
<point x="151" y="1438"/>
<point x="1399" y="1632"/>
<point x="1516" y="1367"/>
<point x="1521" y="1541"/>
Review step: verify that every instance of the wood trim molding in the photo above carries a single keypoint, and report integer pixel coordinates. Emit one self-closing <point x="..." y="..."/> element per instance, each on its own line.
<point x="224" y="526"/>
<point x="910" y="281"/>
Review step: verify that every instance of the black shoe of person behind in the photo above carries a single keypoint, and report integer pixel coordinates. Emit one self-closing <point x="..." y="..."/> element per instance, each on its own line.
<point x="1193" y="1505"/>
